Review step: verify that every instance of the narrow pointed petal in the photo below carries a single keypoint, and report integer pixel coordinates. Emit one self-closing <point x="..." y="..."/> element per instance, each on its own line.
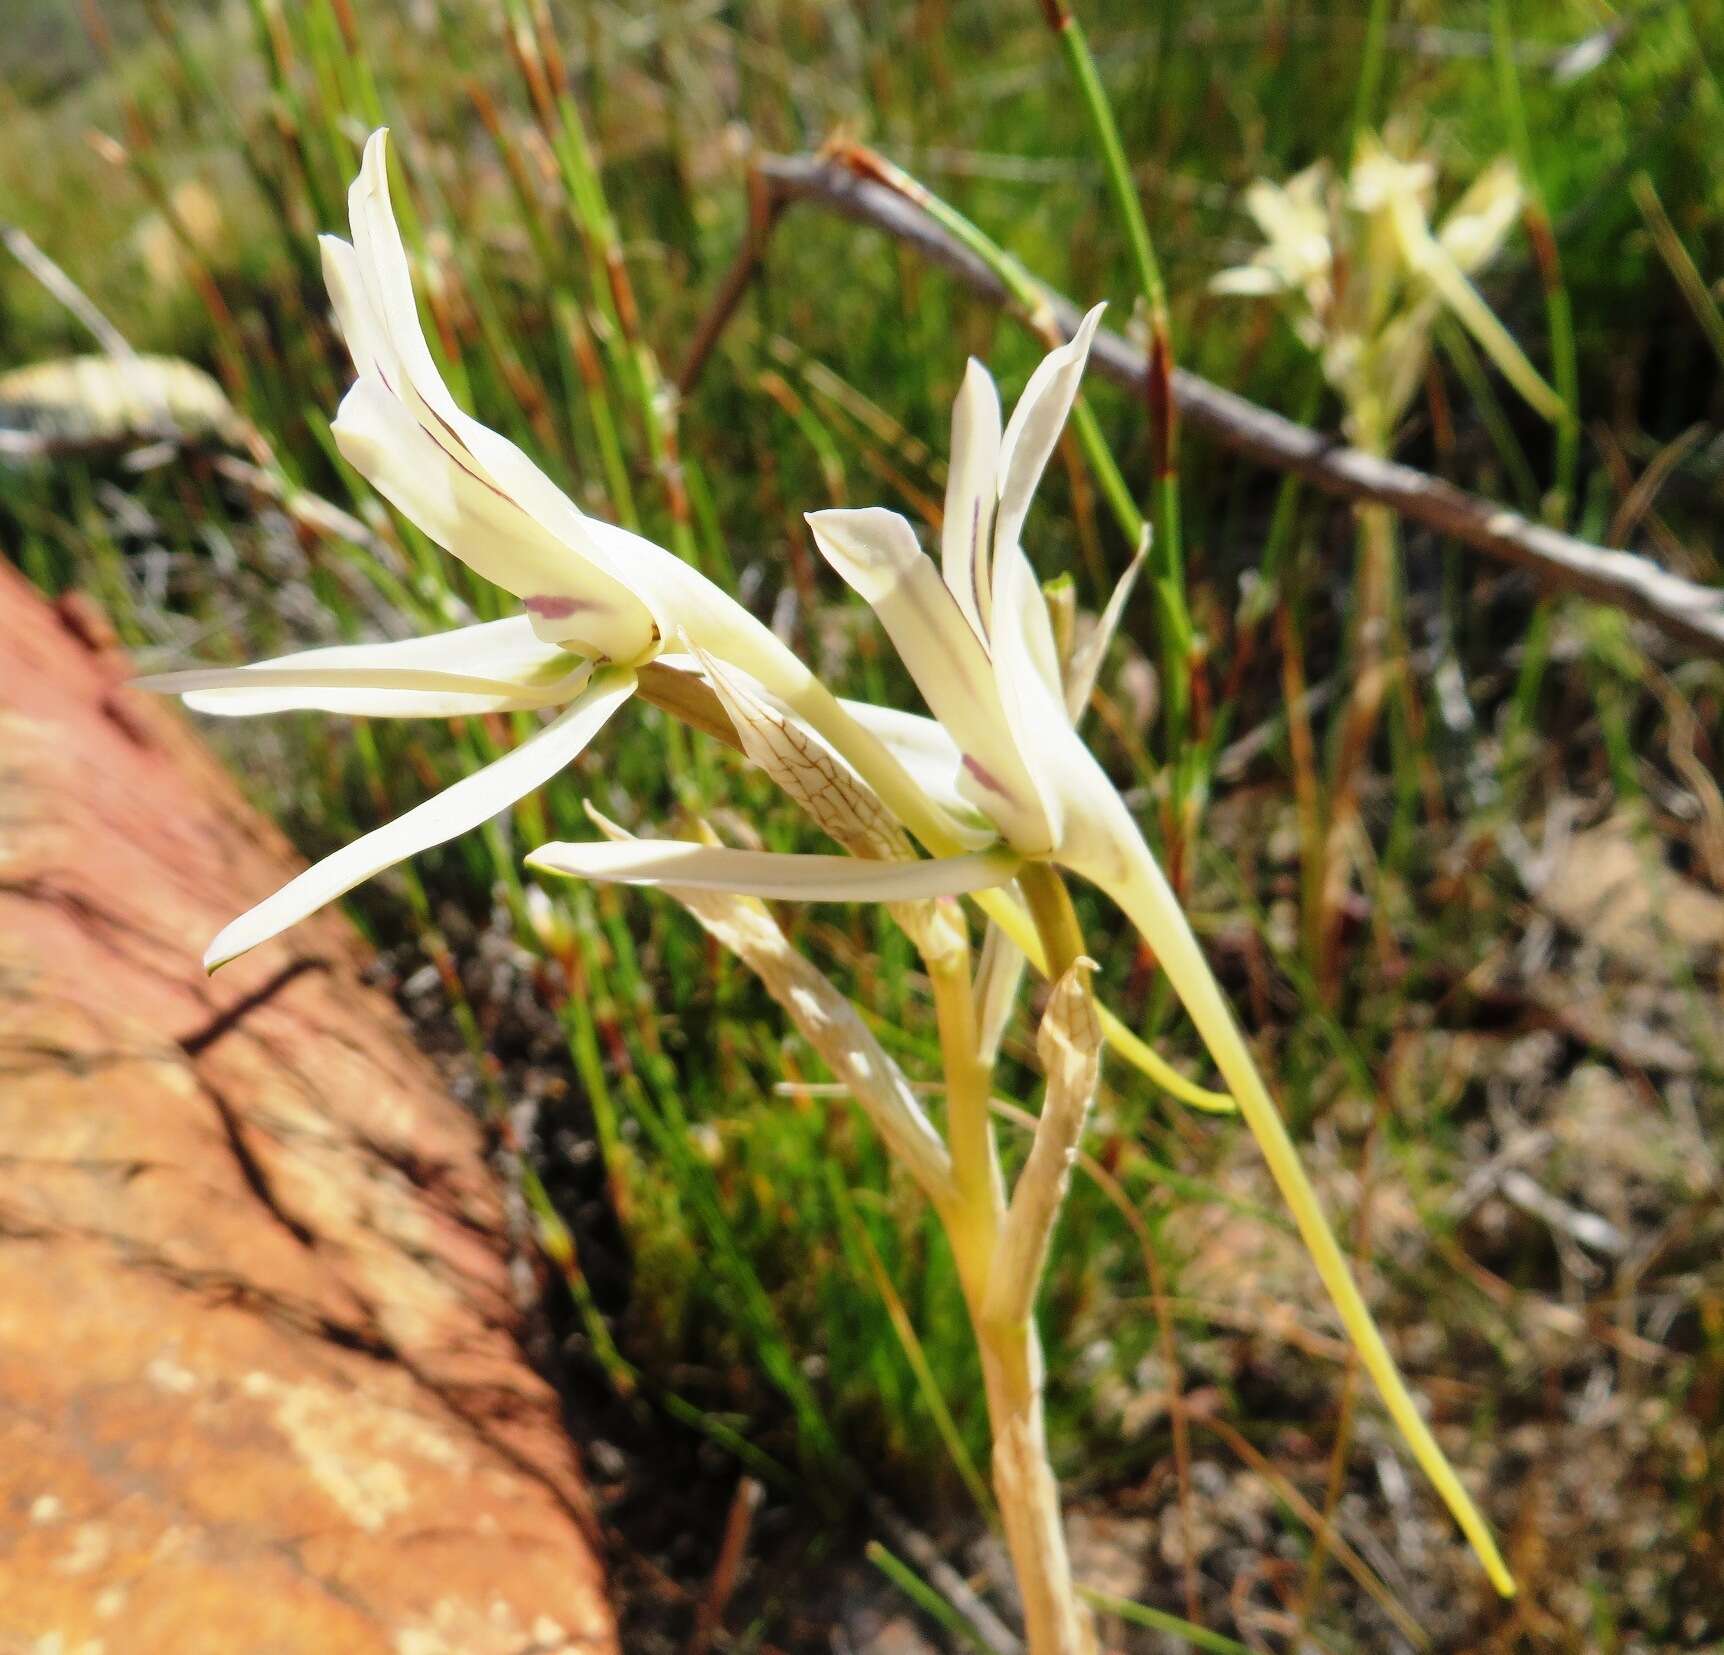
<point x="1088" y="656"/>
<point x="1131" y="876"/>
<point x="469" y="516"/>
<point x="494" y="667"/>
<point x="1432" y="260"/>
<point x="1247" y="281"/>
<point x="1026" y="669"/>
<point x="972" y="487"/>
<point x="999" y="976"/>
<point x="1276" y="213"/>
<point x="876" y="553"/>
<point x="1474" y="229"/>
<point x="371" y="287"/>
<point x="1035" y="427"/>
<point x="361" y="332"/>
<point x="381" y="259"/>
<point x="695" y="867"/>
<point x="472" y="800"/>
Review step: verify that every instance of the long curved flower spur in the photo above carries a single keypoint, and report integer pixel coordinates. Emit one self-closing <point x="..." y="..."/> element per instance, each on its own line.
<point x="600" y="605"/>
<point x="976" y="636"/>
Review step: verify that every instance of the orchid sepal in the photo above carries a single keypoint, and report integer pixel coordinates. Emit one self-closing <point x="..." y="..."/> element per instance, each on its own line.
<point x="689" y="865"/>
<point x="457" y="809"/>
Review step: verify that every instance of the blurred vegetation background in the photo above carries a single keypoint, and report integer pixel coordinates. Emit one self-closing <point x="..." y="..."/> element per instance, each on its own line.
<point x="1510" y="1092"/>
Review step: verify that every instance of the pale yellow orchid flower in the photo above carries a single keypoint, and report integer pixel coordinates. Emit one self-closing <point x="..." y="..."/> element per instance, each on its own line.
<point x="1297" y="255"/>
<point x="1364" y="276"/>
<point x="974" y="632"/>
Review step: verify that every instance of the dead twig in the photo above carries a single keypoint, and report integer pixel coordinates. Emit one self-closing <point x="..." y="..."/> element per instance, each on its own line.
<point x="734" y="1547"/>
<point x="1685" y="610"/>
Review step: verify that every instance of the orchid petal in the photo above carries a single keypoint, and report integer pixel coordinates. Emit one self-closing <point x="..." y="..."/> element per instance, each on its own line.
<point x="1035" y="427"/>
<point x="372" y="289"/>
<point x="1087" y="658"/>
<point x="381" y="260"/>
<point x="469" y="516"/>
<point x="688" y="866"/>
<point x="1278" y="213"/>
<point x="924" y="748"/>
<point x="1026" y="670"/>
<point x="495" y="667"/>
<point x="472" y="800"/>
<point x="1436" y="264"/>
<point x="999" y="976"/>
<point x="967" y="528"/>
<point x="876" y="552"/>
<point x="684" y="601"/>
<point x="1248" y="281"/>
<point x="1474" y="229"/>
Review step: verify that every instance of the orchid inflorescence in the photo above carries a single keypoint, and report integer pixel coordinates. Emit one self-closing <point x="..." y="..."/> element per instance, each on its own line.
<point x="1364" y="275"/>
<point x="995" y="797"/>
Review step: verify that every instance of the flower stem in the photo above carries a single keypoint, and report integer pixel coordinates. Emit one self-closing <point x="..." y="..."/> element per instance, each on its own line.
<point x="969" y="1127"/>
<point x="975" y="1220"/>
<point x="1168" y="566"/>
<point x="1375" y="585"/>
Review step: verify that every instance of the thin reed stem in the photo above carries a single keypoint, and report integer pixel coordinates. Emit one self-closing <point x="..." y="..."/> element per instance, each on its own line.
<point x="1374" y="589"/>
<point x="1034" y="304"/>
<point x="1167" y="558"/>
<point x="1559" y="312"/>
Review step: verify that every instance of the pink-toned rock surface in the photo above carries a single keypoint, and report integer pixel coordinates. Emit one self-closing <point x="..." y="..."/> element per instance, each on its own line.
<point x="260" y="1389"/>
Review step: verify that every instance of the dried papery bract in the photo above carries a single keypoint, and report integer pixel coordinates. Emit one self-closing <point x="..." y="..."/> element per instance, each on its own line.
<point x="828" y="1021"/>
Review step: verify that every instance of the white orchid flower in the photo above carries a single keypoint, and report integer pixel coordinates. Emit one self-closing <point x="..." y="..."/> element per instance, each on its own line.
<point x="600" y="605"/>
<point x="975" y="634"/>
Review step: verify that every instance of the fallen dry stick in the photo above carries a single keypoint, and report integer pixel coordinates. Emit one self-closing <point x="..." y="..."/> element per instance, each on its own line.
<point x="1683" y="609"/>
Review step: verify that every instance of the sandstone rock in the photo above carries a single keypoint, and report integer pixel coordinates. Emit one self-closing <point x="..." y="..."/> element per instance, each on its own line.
<point x="260" y="1385"/>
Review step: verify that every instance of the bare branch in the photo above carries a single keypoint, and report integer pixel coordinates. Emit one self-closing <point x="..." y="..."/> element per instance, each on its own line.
<point x="1683" y="609"/>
